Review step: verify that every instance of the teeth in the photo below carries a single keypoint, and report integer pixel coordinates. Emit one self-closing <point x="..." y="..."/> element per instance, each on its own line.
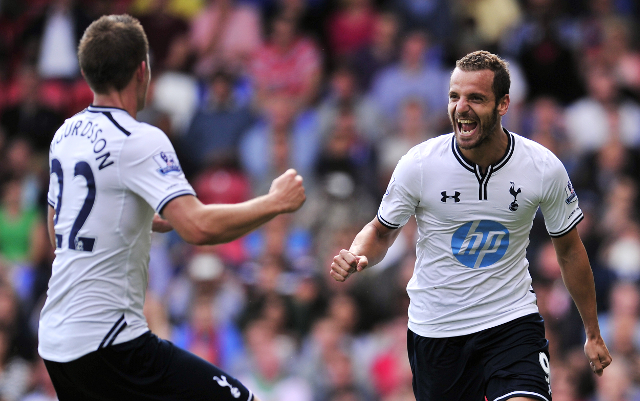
<point x="466" y="121"/>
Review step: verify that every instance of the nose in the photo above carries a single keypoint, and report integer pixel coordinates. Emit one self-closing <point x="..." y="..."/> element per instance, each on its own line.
<point x="462" y="105"/>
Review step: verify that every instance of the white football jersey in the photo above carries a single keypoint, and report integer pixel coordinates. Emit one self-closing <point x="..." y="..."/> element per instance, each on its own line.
<point x="109" y="174"/>
<point x="471" y="271"/>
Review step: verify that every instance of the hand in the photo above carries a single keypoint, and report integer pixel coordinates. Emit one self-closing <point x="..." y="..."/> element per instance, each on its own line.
<point x="599" y="358"/>
<point x="346" y="263"/>
<point x="160" y="225"/>
<point x="288" y="191"/>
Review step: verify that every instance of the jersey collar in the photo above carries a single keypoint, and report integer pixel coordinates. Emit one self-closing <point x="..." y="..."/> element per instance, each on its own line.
<point x="471" y="166"/>
<point x="100" y="109"/>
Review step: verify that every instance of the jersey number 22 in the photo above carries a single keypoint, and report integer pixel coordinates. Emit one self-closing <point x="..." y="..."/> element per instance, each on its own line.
<point x="75" y="242"/>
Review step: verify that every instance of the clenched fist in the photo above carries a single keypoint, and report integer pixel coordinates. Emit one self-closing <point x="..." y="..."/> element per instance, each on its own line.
<point x="288" y="191"/>
<point x="346" y="263"/>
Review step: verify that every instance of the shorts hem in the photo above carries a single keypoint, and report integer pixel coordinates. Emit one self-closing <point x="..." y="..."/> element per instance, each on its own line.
<point x="529" y="394"/>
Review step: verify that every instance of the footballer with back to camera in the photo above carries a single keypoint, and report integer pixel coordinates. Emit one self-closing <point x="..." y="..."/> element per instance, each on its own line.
<point x="111" y="179"/>
<point x="474" y="327"/>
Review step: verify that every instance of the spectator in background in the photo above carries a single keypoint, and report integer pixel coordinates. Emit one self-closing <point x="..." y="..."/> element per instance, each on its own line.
<point x="411" y="128"/>
<point x="14" y="370"/>
<point x="380" y="53"/>
<point x="540" y="46"/>
<point x="224" y="35"/>
<point x="433" y="16"/>
<point x="413" y="77"/>
<point x="22" y="233"/>
<point x="282" y="138"/>
<point x="345" y="92"/>
<point x="618" y="53"/>
<point x="29" y="117"/>
<point x="351" y="27"/>
<point x="309" y="14"/>
<point x="289" y="64"/>
<point x="346" y="184"/>
<point x="283" y="239"/>
<point x="162" y="28"/>
<point x="205" y="336"/>
<point x="41" y="388"/>
<point x="216" y="128"/>
<point x="598" y="171"/>
<point x="621" y="324"/>
<point x="325" y="337"/>
<point x="390" y="369"/>
<point x="545" y="125"/>
<point x="490" y="19"/>
<point x="268" y="374"/>
<point x="604" y="115"/>
<point x="58" y="31"/>
<point x="617" y="385"/>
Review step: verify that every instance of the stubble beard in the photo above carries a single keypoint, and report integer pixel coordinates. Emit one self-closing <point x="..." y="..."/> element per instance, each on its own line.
<point x="485" y="131"/>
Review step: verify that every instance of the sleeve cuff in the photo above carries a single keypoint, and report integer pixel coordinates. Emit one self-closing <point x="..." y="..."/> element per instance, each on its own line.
<point x="171" y="197"/>
<point x="571" y="226"/>
<point x="387" y="223"/>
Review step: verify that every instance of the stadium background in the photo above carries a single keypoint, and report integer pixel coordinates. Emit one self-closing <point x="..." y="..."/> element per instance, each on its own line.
<point x="338" y="89"/>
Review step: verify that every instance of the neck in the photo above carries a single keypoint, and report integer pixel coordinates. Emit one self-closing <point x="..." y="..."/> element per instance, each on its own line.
<point x="489" y="151"/>
<point x="123" y="99"/>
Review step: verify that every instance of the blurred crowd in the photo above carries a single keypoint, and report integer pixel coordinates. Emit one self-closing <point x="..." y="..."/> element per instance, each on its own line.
<point x="339" y="90"/>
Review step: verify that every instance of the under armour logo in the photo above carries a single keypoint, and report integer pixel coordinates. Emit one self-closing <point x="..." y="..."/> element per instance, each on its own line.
<point x="514" y="205"/>
<point x="222" y="382"/>
<point x="455" y="197"/>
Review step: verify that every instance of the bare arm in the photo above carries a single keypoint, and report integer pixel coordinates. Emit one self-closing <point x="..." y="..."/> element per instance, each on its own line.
<point x="50" y="228"/>
<point x="213" y="224"/>
<point x="39" y="247"/>
<point x="578" y="278"/>
<point x="368" y="248"/>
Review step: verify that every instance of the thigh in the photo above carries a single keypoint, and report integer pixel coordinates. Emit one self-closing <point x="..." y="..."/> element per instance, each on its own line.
<point x="145" y="369"/>
<point x="65" y="386"/>
<point x="193" y="378"/>
<point x="445" y="369"/>
<point x="516" y="360"/>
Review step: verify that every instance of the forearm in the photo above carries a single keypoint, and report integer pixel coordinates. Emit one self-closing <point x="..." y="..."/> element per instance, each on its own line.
<point x="215" y="224"/>
<point x="372" y="243"/>
<point x="578" y="278"/>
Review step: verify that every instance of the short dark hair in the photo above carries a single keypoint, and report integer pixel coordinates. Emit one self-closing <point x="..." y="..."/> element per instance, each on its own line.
<point x="110" y="50"/>
<point x="483" y="60"/>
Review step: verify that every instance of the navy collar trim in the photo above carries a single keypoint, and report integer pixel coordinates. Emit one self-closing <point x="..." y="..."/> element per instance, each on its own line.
<point x="471" y="166"/>
<point x="100" y="109"/>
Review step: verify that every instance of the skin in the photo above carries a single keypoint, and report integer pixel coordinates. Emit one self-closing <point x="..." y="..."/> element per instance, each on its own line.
<point x="471" y="97"/>
<point x="197" y="223"/>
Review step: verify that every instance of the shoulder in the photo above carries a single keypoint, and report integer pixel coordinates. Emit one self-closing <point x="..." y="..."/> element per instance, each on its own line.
<point x="434" y="147"/>
<point x="532" y="149"/>
<point x="548" y="163"/>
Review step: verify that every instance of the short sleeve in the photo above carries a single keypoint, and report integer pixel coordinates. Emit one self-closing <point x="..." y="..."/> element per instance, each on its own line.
<point x="150" y="168"/>
<point x="402" y="197"/>
<point x="560" y="202"/>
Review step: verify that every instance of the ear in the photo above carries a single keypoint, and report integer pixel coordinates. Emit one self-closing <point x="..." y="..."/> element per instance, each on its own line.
<point x="503" y="105"/>
<point x="141" y="71"/>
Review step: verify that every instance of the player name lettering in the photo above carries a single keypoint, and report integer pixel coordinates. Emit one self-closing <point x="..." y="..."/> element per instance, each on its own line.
<point x="90" y="132"/>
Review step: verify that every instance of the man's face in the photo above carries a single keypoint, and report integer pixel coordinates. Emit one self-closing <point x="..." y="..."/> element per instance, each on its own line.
<point x="472" y="107"/>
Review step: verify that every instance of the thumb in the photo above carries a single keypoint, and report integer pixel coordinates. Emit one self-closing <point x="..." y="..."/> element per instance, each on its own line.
<point x="362" y="263"/>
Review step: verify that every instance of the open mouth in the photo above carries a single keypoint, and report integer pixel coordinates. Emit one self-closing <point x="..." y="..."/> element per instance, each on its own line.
<point x="467" y="127"/>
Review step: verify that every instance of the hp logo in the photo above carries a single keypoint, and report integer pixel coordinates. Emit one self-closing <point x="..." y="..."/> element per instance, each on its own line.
<point x="480" y="243"/>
